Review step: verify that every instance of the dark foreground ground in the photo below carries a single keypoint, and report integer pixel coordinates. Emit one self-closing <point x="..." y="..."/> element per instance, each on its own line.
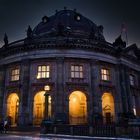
<point x="16" y="135"/>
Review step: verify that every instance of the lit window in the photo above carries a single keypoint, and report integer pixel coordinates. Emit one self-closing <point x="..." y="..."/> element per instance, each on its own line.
<point x="105" y="74"/>
<point x="76" y="71"/>
<point x="43" y="72"/>
<point x="15" y="74"/>
<point x="132" y="80"/>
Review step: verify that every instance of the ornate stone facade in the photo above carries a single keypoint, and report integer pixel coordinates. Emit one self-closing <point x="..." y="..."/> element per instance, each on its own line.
<point x="103" y="85"/>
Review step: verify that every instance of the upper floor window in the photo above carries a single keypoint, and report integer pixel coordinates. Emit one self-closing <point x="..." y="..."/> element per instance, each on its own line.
<point x="15" y="74"/>
<point x="76" y="71"/>
<point x="132" y="79"/>
<point x="43" y="71"/>
<point x="105" y="74"/>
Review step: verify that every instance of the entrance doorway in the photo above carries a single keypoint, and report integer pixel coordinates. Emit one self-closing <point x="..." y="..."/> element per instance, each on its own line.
<point x="12" y="108"/>
<point x="39" y="107"/>
<point x="108" y="108"/>
<point x="77" y="108"/>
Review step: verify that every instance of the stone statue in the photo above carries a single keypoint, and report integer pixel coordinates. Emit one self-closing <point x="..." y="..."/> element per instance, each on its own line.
<point x="100" y="29"/>
<point x="5" y="39"/>
<point x="29" y="32"/>
<point x="119" y="42"/>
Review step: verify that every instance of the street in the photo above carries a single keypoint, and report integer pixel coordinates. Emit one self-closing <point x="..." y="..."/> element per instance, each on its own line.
<point x="15" y="135"/>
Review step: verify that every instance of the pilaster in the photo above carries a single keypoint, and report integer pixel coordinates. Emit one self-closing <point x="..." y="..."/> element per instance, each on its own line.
<point x="24" y="91"/>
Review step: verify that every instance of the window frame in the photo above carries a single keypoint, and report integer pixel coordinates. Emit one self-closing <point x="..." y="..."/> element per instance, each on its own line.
<point x="77" y="72"/>
<point x="14" y="74"/>
<point x="42" y="72"/>
<point x="105" y="74"/>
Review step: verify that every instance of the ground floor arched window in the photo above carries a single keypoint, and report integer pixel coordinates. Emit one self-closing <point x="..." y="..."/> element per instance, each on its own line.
<point x="12" y="108"/>
<point x="108" y="108"/>
<point x="77" y="108"/>
<point x="39" y="107"/>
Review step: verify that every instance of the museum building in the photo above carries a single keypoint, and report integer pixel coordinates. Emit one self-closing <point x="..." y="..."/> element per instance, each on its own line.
<point x="65" y="70"/>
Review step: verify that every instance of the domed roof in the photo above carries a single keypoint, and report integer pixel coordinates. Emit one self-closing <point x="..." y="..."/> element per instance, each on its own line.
<point x="68" y="23"/>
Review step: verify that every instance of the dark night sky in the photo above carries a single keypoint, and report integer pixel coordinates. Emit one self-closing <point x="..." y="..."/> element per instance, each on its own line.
<point x="16" y="15"/>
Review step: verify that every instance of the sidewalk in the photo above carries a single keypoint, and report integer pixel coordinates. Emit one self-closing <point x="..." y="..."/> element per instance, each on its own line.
<point x="81" y="137"/>
<point x="36" y="134"/>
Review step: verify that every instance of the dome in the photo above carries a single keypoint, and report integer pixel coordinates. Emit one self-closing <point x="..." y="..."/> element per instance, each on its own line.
<point x="68" y="23"/>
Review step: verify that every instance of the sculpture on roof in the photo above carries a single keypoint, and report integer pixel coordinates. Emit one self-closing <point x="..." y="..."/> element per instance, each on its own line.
<point x="119" y="42"/>
<point x="5" y="39"/>
<point x="29" y="32"/>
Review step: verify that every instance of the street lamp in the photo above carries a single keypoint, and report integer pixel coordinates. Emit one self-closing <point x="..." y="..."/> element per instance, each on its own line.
<point x="46" y="113"/>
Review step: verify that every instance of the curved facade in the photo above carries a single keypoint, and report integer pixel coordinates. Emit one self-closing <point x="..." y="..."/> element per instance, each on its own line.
<point x="90" y="80"/>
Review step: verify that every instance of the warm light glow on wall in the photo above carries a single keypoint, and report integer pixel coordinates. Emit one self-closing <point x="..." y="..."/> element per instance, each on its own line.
<point x="74" y="99"/>
<point x="46" y="87"/>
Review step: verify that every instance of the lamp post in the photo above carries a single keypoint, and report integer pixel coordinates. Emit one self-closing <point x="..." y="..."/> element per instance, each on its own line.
<point x="46" y="88"/>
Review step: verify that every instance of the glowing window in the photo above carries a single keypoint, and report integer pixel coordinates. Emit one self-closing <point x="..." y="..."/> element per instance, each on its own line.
<point x="105" y="74"/>
<point x="43" y="71"/>
<point x="132" y="80"/>
<point x="15" y="74"/>
<point x="76" y="71"/>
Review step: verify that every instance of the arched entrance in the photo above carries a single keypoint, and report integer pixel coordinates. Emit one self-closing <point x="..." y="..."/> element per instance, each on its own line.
<point x="39" y="107"/>
<point x="77" y="108"/>
<point x="12" y="108"/>
<point x="108" y="108"/>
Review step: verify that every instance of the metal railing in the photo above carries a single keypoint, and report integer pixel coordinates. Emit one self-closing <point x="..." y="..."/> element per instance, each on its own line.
<point x="108" y="130"/>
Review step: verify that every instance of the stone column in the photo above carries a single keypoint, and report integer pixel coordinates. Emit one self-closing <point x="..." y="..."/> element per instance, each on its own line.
<point x="117" y="93"/>
<point x="124" y="85"/>
<point x="128" y="90"/>
<point x="59" y="111"/>
<point x="24" y="92"/>
<point x="94" y="91"/>
<point x="138" y="95"/>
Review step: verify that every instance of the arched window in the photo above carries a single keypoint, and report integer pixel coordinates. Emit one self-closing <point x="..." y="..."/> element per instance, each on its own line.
<point x="12" y="108"/>
<point x="77" y="108"/>
<point x="108" y="108"/>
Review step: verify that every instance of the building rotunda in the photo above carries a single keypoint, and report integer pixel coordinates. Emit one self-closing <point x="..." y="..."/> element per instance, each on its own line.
<point x="89" y="80"/>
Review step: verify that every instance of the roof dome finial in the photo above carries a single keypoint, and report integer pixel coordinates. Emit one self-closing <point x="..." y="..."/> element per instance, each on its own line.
<point x="65" y="8"/>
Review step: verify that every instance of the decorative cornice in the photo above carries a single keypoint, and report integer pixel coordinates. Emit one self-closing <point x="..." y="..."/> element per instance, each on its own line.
<point x="83" y="44"/>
